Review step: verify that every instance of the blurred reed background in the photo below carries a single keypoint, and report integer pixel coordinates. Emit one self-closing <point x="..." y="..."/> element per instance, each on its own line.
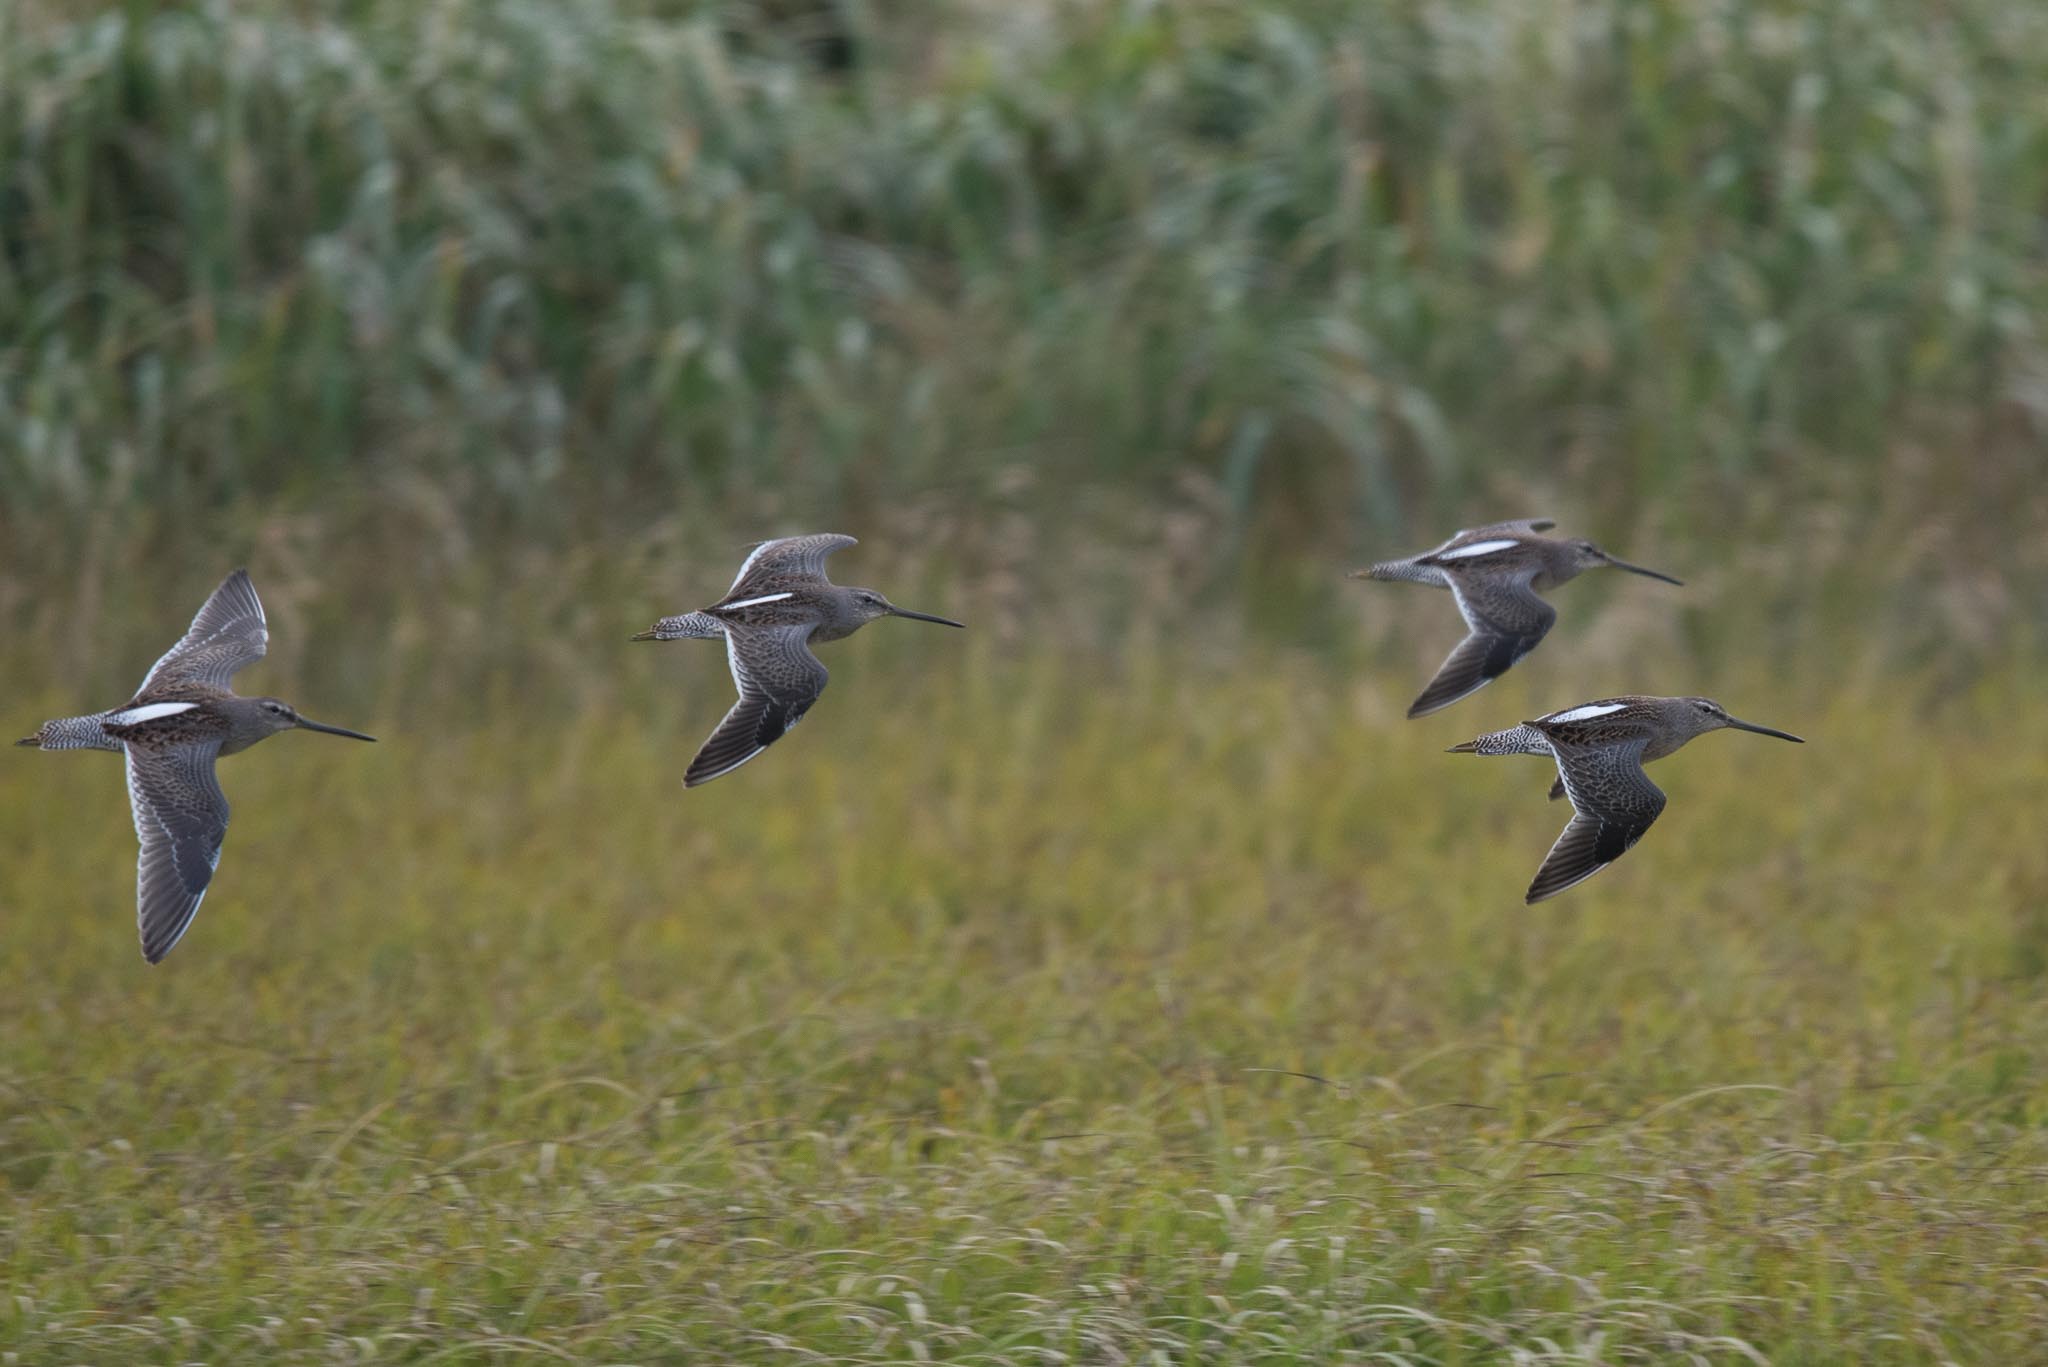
<point x="462" y="309"/>
<point x="1123" y="980"/>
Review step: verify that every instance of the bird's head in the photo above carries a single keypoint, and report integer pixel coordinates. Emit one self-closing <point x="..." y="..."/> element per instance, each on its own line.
<point x="1589" y="556"/>
<point x="868" y="605"/>
<point x="275" y="714"/>
<point x="1702" y="715"/>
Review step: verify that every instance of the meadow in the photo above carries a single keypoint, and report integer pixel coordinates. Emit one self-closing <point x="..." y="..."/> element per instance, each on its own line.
<point x="1018" y="1010"/>
<point x="1123" y="980"/>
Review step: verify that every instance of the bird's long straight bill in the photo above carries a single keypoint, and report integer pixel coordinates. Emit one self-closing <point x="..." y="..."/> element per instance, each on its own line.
<point x="926" y="617"/>
<point x="1648" y="574"/>
<point x="1766" y="731"/>
<point x="333" y="730"/>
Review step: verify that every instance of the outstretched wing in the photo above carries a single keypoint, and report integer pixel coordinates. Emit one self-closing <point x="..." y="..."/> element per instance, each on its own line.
<point x="1613" y="803"/>
<point x="181" y="817"/>
<point x="778" y="679"/>
<point x="786" y="557"/>
<point x="228" y="633"/>
<point x="1507" y="620"/>
<point x="1527" y="524"/>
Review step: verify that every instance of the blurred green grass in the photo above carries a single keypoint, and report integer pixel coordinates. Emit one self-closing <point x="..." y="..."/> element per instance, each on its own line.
<point x="1355" y="267"/>
<point x="1014" y="1008"/>
<point x="1126" y="978"/>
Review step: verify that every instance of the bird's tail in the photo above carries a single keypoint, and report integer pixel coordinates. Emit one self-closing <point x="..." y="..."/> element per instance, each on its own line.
<point x="1402" y="571"/>
<point x="689" y="624"/>
<point x="1516" y="740"/>
<point x="72" y="733"/>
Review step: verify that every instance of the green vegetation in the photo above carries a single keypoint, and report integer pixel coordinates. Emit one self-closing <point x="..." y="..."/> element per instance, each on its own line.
<point x="1359" y="264"/>
<point x="999" y="1017"/>
<point x="1124" y="980"/>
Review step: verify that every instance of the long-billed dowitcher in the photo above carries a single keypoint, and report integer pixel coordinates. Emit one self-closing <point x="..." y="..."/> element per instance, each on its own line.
<point x="1495" y="573"/>
<point x="779" y="604"/>
<point x="178" y="722"/>
<point x="1600" y="749"/>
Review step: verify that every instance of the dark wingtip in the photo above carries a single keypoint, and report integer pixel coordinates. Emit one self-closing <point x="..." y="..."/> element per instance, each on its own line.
<point x="1463" y="748"/>
<point x="1441" y="694"/>
<point x="643" y="636"/>
<point x="36" y="741"/>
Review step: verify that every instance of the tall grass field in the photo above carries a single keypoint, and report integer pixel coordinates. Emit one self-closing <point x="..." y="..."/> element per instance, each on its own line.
<point x="1006" y="1013"/>
<point x="1124" y="980"/>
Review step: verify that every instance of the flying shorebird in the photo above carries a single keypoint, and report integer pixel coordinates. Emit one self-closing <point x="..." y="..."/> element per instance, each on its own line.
<point x="1495" y="573"/>
<point x="1600" y="749"/>
<point x="780" y="603"/>
<point x="178" y="722"/>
